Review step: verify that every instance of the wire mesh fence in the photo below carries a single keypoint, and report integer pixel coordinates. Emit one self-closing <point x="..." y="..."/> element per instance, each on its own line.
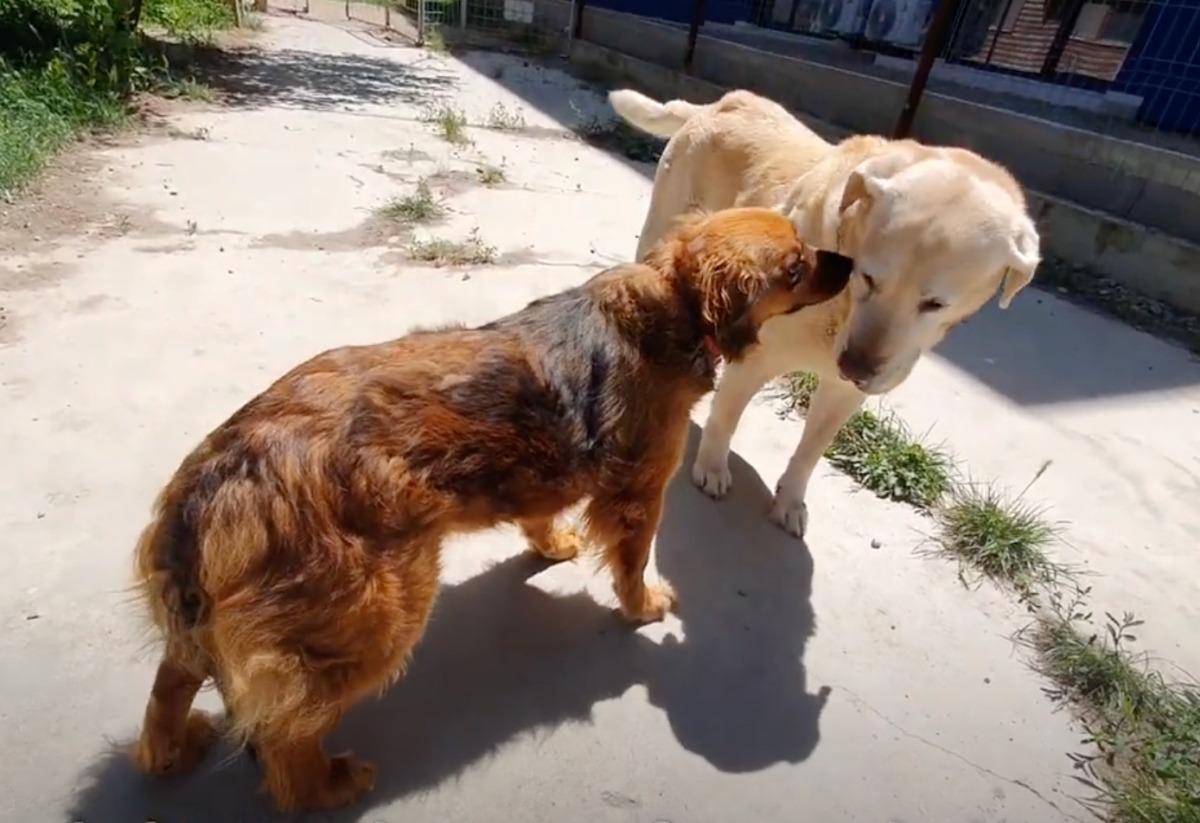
<point x="1128" y="68"/>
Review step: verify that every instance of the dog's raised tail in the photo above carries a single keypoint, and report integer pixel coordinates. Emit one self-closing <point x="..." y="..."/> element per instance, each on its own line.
<point x="649" y="115"/>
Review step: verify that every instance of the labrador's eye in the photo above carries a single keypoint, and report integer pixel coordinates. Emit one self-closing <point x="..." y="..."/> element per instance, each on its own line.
<point x="930" y="304"/>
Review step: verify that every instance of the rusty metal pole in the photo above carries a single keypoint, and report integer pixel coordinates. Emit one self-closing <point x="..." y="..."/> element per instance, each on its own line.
<point x="693" y="31"/>
<point x="935" y="40"/>
<point x="577" y="21"/>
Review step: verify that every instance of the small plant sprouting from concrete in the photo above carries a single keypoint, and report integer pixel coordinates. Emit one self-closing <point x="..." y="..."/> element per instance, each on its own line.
<point x="502" y="118"/>
<point x="877" y="450"/>
<point x="1000" y="537"/>
<point x="1145" y="729"/>
<point x="442" y="252"/>
<point x="435" y="41"/>
<point x="451" y="124"/>
<point x="490" y="175"/>
<point x="797" y="390"/>
<point x="419" y="207"/>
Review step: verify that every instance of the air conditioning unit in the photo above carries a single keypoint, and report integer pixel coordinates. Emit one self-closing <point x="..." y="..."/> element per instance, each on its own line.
<point x="898" y="22"/>
<point x="845" y="17"/>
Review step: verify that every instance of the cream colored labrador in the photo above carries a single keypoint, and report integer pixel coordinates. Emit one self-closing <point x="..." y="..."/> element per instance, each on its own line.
<point x="934" y="233"/>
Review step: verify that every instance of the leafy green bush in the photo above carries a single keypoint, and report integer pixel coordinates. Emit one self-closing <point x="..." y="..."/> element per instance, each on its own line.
<point x="42" y="108"/>
<point x="192" y="21"/>
<point x="68" y="64"/>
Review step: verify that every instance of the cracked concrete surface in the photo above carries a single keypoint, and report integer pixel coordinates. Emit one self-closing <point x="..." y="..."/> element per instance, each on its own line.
<point x="824" y="680"/>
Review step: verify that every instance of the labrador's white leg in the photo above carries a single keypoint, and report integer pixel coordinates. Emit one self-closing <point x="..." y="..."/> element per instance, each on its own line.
<point x="832" y="404"/>
<point x="739" y="384"/>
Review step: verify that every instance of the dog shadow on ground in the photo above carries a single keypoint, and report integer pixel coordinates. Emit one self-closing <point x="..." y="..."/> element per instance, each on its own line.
<point x="502" y="658"/>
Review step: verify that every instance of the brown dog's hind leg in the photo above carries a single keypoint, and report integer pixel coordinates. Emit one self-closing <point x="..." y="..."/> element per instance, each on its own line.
<point x="299" y="775"/>
<point x="549" y="542"/>
<point x="174" y="739"/>
<point x="626" y="525"/>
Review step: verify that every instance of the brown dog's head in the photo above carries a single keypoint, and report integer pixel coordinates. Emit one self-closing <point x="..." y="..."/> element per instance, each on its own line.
<point x="741" y="267"/>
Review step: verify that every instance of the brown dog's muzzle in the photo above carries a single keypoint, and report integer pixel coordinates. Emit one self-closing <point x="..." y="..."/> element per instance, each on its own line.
<point x="823" y="280"/>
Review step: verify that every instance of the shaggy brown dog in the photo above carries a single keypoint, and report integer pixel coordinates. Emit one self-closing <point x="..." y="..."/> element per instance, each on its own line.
<point x="294" y="556"/>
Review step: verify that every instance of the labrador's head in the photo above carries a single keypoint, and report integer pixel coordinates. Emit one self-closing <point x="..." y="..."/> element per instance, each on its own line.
<point x="933" y="233"/>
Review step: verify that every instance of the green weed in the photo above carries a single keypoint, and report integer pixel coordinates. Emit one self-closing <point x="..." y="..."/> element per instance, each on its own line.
<point x="419" y="207"/>
<point x="442" y="252"/>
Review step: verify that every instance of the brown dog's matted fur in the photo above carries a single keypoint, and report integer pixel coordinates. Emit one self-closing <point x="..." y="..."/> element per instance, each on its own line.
<point x="294" y="556"/>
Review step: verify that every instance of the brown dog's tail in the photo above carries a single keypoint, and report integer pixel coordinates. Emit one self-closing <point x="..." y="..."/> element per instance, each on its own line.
<point x="649" y="115"/>
<point x="165" y="571"/>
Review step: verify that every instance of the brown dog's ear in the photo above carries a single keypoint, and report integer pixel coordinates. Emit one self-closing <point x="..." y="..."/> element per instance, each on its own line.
<point x="824" y="279"/>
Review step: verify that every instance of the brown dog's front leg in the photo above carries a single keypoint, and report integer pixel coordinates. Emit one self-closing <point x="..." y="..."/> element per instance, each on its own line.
<point x="625" y="524"/>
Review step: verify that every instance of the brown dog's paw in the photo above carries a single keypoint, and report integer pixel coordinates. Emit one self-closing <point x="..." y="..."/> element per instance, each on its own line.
<point x="349" y="779"/>
<point x="657" y="600"/>
<point x="156" y="753"/>
<point x="562" y="544"/>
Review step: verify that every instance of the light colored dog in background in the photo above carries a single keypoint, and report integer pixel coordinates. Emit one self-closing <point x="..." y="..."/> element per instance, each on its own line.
<point x="934" y="233"/>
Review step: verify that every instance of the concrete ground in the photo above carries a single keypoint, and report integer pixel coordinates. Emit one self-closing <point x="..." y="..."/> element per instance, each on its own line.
<point x="153" y="283"/>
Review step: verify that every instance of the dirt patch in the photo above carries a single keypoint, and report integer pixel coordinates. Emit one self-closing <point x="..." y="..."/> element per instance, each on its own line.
<point x="410" y="155"/>
<point x="374" y="232"/>
<point x="92" y="303"/>
<point x="67" y="204"/>
<point x="43" y="274"/>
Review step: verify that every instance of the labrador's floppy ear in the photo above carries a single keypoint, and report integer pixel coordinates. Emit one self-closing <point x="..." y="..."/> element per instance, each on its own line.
<point x="1024" y="256"/>
<point x="872" y="178"/>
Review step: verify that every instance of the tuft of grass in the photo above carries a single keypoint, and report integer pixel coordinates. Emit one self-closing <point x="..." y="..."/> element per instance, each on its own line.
<point x="797" y="389"/>
<point x="999" y="537"/>
<point x="66" y="67"/>
<point x="442" y="252"/>
<point x="192" y="21"/>
<point x="451" y="124"/>
<point x="1146" y="731"/>
<point x="43" y="108"/>
<point x="435" y="41"/>
<point x="879" y="452"/>
<point x="419" y="207"/>
<point x="490" y="175"/>
<point x="187" y="88"/>
<point x="502" y="118"/>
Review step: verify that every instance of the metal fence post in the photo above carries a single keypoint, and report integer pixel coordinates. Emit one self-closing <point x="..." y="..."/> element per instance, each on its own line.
<point x="1062" y="36"/>
<point x="462" y="14"/>
<point x="577" y="20"/>
<point x="570" y="30"/>
<point x="935" y="40"/>
<point x="693" y="30"/>
<point x="420" y="22"/>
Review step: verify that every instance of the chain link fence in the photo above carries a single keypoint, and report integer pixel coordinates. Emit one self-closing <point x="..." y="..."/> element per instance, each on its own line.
<point x="541" y="25"/>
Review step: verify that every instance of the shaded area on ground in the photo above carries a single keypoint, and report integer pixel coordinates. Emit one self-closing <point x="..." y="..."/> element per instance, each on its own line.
<point x="503" y="658"/>
<point x="315" y="80"/>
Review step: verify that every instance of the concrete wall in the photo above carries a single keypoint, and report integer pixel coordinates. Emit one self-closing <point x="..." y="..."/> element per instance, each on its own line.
<point x="1155" y="187"/>
<point x="1152" y="262"/>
